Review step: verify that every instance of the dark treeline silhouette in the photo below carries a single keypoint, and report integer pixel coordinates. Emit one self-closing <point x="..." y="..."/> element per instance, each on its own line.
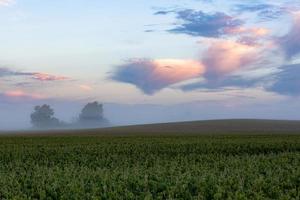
<point x="91" y="116"/>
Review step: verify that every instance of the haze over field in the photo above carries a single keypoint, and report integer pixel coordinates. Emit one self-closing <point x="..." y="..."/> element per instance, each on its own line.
<point x="150" y="61"/>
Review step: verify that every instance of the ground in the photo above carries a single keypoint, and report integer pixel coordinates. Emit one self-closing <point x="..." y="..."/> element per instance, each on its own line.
<point x="90" y="166"/>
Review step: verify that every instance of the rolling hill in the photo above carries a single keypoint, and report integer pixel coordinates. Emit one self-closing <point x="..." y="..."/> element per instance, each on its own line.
<point x="230" y="126"/>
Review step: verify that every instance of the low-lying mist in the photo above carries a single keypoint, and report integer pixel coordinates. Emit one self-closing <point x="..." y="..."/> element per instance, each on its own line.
<point x="69" y="115"/>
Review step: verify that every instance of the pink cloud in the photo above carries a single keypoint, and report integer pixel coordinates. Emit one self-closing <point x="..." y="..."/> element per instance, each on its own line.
<point x="47" y="77"/>
<point x="85" y="87"/>
<point x="153" y="75"/>
<point x="22" y="94"/>
<point x="249" y="36"/>
<point x="6" y="2"/>
<point x="173" y="71"/>
<point x="224" y="57"/>
<point x="5" y="72"/>
<point x="221" y="59"/>
<point x="255" y="31"/>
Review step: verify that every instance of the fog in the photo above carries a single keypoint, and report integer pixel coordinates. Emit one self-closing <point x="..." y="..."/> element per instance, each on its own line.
<point x="16" y="115"/>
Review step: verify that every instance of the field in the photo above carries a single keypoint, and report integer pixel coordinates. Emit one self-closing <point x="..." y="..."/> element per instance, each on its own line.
<point x="84" y="166"/>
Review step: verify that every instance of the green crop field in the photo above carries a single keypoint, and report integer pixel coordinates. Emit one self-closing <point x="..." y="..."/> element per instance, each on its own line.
<point x="150" y="167"/>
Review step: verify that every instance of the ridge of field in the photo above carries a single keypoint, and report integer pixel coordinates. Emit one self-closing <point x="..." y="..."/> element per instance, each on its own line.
<point x="229" y="126"/>
<point x="206" y="127"/>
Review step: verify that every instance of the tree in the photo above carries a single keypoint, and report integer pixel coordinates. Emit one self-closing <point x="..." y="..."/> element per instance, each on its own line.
<point x="42" y="117"/>
<point x="92" y="115"/>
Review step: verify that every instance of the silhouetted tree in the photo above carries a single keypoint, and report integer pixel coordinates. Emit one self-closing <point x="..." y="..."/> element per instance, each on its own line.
<point x="42" y="117"/>
<point x="92" y="115"/>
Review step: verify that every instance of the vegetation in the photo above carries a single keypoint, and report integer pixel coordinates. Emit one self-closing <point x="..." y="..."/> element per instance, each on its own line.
<point x="42" y="117"/>
<point x="150" y="167"/>
<point x="91" y="116"/>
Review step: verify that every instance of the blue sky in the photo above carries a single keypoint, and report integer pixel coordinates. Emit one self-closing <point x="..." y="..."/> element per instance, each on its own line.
<point x="235" y="52"/>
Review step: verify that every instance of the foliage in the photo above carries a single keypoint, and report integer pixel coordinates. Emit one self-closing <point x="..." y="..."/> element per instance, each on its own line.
<point x="42" y="117"/>
<point x="150" y="167"/>
<point x="92" y="111"/>
<point x="92" y="115"/>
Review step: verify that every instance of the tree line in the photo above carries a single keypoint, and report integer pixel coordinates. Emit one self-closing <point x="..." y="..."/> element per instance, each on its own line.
<point x="91" y="116"/>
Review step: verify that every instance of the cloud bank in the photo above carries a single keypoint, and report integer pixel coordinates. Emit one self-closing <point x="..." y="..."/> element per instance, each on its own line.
<point x="234" y="47"/>
<point x="221" y="59"/>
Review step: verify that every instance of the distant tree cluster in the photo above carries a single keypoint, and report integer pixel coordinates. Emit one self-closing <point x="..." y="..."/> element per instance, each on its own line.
<point x="43" y="117"/>
<point x="91" y="116"/>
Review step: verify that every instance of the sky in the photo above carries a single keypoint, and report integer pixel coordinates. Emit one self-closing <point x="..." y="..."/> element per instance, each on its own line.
<point x="164" y="60"/>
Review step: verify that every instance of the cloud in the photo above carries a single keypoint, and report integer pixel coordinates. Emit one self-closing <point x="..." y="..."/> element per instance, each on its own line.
<point x="287" y="81"/>
<point x="6" y="2"/>
<point x="284" y="81"/>
<point x="34" y="75"/>
<point x="290" y="43"/>
<point x="198" y="23"/>
<point x="220" y="84"/>
<point x="218" y="63"/>
<point x="47" y="77"/>
<point x="254" y="31"/>
<point x="249" y="40"/>
<point x="85" y="87"/>
<point x="20" y="94"/>
<point x="151" y="76"/>
<point x="222" y="60"/>
<point x="216" y="25"/>
<point x="264" y="11"/>
<point x="235" y="50"/>
<point x="224" y="57"/>
<point x="8" y="72"/>
<point x="164" y="12"/>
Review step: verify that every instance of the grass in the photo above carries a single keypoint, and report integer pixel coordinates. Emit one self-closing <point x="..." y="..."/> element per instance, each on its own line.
<point x="150" y="167"/>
